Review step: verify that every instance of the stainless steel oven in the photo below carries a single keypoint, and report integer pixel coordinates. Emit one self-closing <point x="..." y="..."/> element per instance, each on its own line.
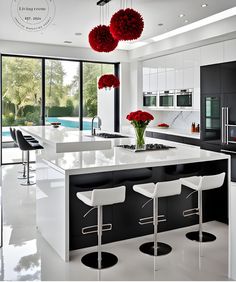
<point x="184" y="98"/>
<point x="166" y="99"/>
<point x="150" y="99"/>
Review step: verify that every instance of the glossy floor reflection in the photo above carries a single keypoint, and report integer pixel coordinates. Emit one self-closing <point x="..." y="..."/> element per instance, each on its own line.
<point x="26" y="256"/>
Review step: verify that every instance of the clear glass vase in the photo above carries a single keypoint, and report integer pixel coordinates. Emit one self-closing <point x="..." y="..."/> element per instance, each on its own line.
<point x="140" y="138"/>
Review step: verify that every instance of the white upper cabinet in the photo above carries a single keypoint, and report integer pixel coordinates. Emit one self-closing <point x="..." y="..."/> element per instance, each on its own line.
<point x="146" y="79"/>
<point x="149" y="79"/>
<point x="189" y="77"/>
<point x="182" y="70"/>
<point x="230" y="50"/>
<point x="179" y="79"/>
<point x="170" y="80"/>
<point x="212" y="54"/>
<point x="153" y="82"/>
<point x="162" y="81"/>
<point x="146" y="83"/>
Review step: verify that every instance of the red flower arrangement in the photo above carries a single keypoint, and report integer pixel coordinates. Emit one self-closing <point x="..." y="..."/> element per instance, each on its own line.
<point x="140" y="118"/>
<point x="101" y="40"/>
<point x="108" y="81"/>
<point x="126" y="24"/>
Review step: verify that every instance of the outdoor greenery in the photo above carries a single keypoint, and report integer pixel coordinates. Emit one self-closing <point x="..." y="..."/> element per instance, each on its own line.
<point x="21" y="88"/>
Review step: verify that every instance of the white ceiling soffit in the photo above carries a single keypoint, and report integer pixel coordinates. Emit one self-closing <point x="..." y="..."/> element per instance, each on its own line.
<point x="79" y="16"/>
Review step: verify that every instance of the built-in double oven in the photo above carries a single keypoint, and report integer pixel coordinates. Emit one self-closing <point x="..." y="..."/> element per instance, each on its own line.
<point x="167" y="99"/>
<point x="150" y="99"/>
<point x="184" y="98"/>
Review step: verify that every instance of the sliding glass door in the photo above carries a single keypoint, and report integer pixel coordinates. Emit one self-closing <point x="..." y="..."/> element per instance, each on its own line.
<point x="62" y="92"/>
<point x="21" y="100"/>
<point x="38" y="91"/>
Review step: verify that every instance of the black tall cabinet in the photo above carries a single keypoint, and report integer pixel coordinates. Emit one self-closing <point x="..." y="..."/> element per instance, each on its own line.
<point x="211" y="103"/>
<point x="218" y="89"/>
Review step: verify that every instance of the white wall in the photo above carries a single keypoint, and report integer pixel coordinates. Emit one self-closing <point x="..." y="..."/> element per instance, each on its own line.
<point x="106" y="108"/>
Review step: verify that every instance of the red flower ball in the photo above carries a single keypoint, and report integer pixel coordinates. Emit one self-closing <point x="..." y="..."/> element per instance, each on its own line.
<point x="108" y="80"/>
<point x="126" y="24"/>
<point x="101" y="40"/>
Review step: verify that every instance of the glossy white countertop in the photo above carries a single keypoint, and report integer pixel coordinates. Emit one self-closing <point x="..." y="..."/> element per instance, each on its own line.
<point x="121" y="159"/>
<point x="175" y="131"/>
<point x="66" y="139"/>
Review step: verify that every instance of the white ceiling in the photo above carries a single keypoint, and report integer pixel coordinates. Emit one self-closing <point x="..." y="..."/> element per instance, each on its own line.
<point x="82" y="15"/>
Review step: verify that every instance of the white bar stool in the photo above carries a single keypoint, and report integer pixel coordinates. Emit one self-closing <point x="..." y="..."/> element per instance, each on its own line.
<point x="199" y="184"/>
<point x="98" y="198"/>
<point x="155" y="191"/>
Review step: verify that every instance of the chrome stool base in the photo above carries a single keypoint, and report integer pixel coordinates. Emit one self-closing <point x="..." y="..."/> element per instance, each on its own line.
<point x="162" y="248"/>
<point x="206" y="237"/>
<point x="91" y="260"/>
<point x="28" y="183"/>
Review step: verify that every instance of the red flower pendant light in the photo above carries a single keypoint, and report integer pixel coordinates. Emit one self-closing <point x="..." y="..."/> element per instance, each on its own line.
<point x="101" y="40"/>
<point x="126" y="24"/>
<point x="108" y="81"/>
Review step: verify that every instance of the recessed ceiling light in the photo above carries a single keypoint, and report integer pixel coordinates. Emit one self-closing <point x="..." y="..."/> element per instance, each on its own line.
<point x="204" y="5"/>
<point x="78" y="33"/>
<point x="181" y="15"/>
<point x="67" y="42"/>
<point x="186" y="21"/>
<point x="160" y="24"/>
<point x="192" y="26"/>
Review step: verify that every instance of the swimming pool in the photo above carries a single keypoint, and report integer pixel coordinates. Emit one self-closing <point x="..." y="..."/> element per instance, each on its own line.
<point x="6" y="133"/>
<point x="70" y="123"/>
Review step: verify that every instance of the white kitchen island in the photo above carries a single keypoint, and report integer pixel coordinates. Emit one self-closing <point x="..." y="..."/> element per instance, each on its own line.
<point x="60" y="215"/>
<point x="59" y="175"/>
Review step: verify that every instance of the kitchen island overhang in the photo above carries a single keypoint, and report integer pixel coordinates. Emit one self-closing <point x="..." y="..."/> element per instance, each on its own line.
<point x="60" y="216"/>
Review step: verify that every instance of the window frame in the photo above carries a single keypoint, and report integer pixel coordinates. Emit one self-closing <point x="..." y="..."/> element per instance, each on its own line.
<point x="43" y="100"/>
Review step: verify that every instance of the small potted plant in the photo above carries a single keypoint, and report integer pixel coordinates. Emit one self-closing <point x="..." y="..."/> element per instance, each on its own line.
<point x="140" y="120"/>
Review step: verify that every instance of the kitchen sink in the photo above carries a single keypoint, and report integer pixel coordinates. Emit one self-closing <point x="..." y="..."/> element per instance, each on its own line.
<point x="108" y="135"/>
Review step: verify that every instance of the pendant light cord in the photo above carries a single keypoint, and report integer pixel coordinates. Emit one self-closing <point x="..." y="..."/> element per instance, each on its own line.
<point x="100" y="15"/>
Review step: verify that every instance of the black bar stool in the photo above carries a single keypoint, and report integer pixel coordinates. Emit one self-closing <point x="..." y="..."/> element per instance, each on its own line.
<point x="27" y="145"/>
<point x="28" y="138"/>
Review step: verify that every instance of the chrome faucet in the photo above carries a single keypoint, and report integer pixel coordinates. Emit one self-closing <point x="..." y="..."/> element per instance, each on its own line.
<point x="93" y="130"/>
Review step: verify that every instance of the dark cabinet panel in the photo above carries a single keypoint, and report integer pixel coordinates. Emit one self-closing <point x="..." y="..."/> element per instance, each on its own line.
<point x="211" y="79"/>
<point x="229" y="100"/>
<point x="228" y="81"/>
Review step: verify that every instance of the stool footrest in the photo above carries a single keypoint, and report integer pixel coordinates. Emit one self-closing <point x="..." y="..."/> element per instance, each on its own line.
<point x="190" y="212"/>
<point x="148" y="220"/>
<point x="94" y="228"/>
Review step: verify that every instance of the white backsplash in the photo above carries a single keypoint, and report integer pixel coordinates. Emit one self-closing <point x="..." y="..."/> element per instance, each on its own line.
<point x="177" y="119"/>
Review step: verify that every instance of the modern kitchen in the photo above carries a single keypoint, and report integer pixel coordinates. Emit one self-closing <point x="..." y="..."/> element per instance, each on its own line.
<point x="118" y="140"/>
